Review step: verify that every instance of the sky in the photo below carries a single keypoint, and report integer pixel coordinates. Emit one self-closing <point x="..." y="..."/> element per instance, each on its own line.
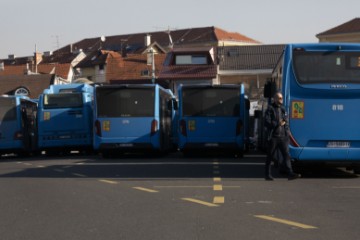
<point x="46" y="25"/>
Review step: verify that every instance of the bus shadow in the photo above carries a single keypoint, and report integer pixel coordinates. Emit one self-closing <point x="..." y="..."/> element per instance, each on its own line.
<point x="173" y="166"/>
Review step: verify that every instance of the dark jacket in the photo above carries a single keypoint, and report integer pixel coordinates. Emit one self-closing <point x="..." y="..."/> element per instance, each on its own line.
<point x="274" y="114"/>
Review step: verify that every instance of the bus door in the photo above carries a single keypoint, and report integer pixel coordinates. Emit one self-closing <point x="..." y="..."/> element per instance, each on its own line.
<point x="10" y="125"/>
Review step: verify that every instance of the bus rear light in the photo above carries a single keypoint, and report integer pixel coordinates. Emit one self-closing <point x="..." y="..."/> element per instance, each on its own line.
<point x="293" y="142"/>
<point x="154" y="127"/>
<point x="98" y="128"/>
<point x="18" y="135"/>
<point x="183" y="127"/>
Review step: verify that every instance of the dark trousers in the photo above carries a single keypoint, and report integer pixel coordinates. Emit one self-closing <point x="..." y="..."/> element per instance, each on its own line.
<point x="280" y="144"/>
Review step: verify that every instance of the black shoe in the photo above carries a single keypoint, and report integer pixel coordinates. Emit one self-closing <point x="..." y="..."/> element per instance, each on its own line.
<point x="294" y="176"/>
<point x="269" y="178"/>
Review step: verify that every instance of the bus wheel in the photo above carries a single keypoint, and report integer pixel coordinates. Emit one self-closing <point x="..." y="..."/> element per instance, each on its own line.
<point x="356" y="170"/>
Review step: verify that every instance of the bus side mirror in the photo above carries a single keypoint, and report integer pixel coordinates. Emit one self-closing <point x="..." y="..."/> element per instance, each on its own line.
<point x="269" y="89"/>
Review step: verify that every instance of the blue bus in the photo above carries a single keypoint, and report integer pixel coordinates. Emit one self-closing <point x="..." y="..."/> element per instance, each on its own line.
<point x="17" y="125"/>
<point x="133" y="118"/>
<point x="65" y="118"/>
<point x="213" y="117"/>
<point x="321" y="87"/>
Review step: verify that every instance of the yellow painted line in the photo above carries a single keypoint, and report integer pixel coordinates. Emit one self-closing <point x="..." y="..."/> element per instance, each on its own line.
<point x="182" y="186"/>
<point x="284" y="221"/>
<point x="219" y="200"/>
<point x="78" y="175"/>
<point x="217" y="187"/>
<point x="146" y="189"/>
<point x="200" y="202"/>
<point x="108" y="181"/>
<point x="217" y="179"/>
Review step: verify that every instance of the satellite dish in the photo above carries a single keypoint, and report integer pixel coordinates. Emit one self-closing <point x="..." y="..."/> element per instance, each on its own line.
<point x="102" y="38"/>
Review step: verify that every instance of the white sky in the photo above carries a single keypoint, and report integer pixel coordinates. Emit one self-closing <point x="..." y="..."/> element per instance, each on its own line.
<point x="49" y="23"/>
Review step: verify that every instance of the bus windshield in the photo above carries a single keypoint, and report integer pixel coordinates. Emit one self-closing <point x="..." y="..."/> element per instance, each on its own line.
<point x="217" y="102"/>
<point x="7" y="109"/>
<point x="326" y="67"/>
<point x="63" y="100"/>
<point x="123" y="102"/>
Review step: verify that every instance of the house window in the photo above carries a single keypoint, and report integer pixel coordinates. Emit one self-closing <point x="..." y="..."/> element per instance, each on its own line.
<point x="22" y="91"/>
<point x="190" y="59"/>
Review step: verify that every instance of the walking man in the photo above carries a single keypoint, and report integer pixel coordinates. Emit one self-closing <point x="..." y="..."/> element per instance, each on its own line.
<point x="276" y="121"/>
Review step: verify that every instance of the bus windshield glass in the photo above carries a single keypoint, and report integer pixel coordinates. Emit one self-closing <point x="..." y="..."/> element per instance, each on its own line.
<point x="7" y="109"/>
<point x="326" y="67"/>
<point x="63" y="100"/>
<point x="123" y="102"/>
<point x="217" y="102"/>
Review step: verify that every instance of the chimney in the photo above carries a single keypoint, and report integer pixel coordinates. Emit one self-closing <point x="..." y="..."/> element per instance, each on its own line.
<point x="12" y="56"/>
<point x="147" y="40"/>
<point x="38" y="59"/>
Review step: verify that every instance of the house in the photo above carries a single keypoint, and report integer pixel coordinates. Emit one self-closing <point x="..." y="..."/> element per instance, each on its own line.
<point x="61" y="65"/>
<point x="29" y="85"/>
<point x="105" y="66"/>
<point x="189" y="66"/>
<point x="346" y="32"/>
<point x="134" y="43"/>
<point x="251" y="65"/>
<point x="125" y="51"/>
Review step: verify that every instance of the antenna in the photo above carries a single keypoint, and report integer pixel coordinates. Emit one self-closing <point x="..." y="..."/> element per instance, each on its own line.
<point x="57" y="42"/>
<point x="168" y="31"/>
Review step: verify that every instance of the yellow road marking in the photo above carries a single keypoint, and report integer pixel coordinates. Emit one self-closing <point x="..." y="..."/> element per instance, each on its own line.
<point x="200" y="202"/>
<point x="219" y="200"/>
<point x="108" y="181"/>
<point x="217" y="187"/>
<point x="194" y="186"/>
<point x="217" y="179"/>
<point x="284" y="221"/>
<point x="145" y="189"/>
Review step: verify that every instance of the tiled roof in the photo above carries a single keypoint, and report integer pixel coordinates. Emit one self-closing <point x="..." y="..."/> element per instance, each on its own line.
<point x="59" y="57"/>
<point x="61" y="70"/>
<point x="351" y="26"/>
<point x="135" y="42"/>
<point x="34" y="83"/>
<point x="189" y="72"/>
<point x="17" y="61"/>
<point x="249" y="57"/>
<point x="131" y="67"/>
<point x="233" y="36"/>
<point x="13" y="70"/>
